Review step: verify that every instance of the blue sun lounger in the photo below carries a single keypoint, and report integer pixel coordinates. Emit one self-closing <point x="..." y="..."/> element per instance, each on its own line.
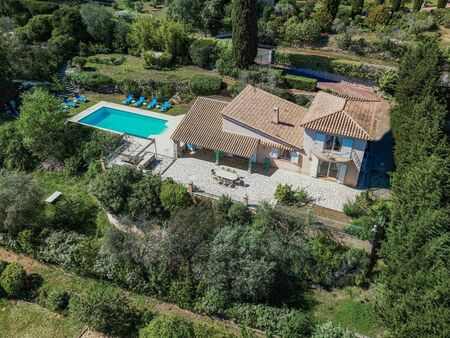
<point x="139" y="102"/>
<point x="70" y="104"/>
<point x="152" y="104"/>
<point x="81" y="98"/>
<point x="128" y="99"/>
<point x="165" y="106"/>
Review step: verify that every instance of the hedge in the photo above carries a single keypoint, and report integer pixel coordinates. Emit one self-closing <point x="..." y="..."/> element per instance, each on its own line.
<point x="92" y="81"/>
<point x="329" y="64"/>
<point x="39" y="7"/>
<point x="299" y="82"/>
<point x="205" y="84"/>
<point x="359" y="231"/>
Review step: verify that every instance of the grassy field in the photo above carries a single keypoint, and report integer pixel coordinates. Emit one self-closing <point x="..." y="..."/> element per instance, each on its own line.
<point x="133" y="68"/>
<point x="351" y="307"/>
<point x="19" y="319"/>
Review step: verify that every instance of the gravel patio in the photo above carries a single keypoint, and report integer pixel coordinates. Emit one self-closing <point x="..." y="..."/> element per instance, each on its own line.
<point x="260" y="186"/>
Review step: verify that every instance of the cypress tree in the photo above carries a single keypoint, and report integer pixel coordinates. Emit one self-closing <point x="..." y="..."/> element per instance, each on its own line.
<point x="442" y="3"/>
<point x="332" y="6"/>
<point x="415" y="284"/>
<point x="245" y="32"/>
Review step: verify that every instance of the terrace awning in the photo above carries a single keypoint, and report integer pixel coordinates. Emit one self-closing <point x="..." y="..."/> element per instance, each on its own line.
<point x="202" y="126"/>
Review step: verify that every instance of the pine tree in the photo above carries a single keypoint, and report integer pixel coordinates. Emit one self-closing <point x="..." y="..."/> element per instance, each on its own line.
<point x="415" y="282"/>
<point x="245" y="34"/>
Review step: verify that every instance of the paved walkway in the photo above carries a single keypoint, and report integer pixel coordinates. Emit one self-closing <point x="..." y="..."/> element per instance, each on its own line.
<point x="259" y="187"/>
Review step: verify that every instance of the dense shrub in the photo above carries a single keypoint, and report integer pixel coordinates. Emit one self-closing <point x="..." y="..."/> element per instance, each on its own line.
<point x="299" y="82"/>
<point x="80" y="61"/>
<point x="103" y="308"/>
<point x="204" y="52"/>
<point x="359" y="231"/>
<point x="174" y="196"/>
<point x="273" y="321"/>
<point x="55" y="299"/>
<point x="378" y="16"/>
<point x="153" y="60"/>
<point x="174" y="326"/>
<point x="388" y="82"/>
<point x="13" y="280"/>
<point x="286" y="195"/>
<point x="207" y="330"/>
<point x="262" y="76"/>
<point x="226" y="65"/>
<point x="115" y="61"/>
<point x="335" y="264"/>
<point x="328" y="330"/>
<point x="205" y="84"/>
<point x="39" y="28"/>
<point x="37" y="7"/>
<point x="113" y="187"/>
<point x="92" y="81"/>
<point x="354" y="210"/>
<point x="3" y="266"/>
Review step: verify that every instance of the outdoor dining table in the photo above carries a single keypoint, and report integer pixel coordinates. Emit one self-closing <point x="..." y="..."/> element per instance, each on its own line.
<point x="227" y="175"/>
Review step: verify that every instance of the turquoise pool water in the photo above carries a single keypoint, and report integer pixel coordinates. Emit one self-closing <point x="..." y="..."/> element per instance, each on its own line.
<point x="125" y="122"/>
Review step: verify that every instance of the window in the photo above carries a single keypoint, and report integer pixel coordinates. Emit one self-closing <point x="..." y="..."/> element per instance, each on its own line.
<point x="285" y="154"/>
<point x="333" y="143"/>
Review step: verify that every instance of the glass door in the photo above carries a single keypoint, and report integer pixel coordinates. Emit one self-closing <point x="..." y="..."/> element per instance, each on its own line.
<point x="328" y="169"/>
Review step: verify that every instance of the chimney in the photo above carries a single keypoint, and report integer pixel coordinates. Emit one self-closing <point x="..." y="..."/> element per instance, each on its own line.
<point x="276" y="115"/>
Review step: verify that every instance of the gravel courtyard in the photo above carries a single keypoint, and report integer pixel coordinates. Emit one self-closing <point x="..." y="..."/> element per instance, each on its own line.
<point x="260" y="187"/>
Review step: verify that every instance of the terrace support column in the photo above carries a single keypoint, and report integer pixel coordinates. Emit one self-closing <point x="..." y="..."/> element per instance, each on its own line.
<point x="217" y="156"/>
<point x="250" y="165"/>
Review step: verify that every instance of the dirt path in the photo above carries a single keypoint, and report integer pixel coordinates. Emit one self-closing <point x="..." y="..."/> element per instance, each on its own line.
<point x="31" y="266"/>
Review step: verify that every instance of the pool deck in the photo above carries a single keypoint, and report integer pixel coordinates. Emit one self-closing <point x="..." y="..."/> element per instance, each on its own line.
<point x="164" y="143"/>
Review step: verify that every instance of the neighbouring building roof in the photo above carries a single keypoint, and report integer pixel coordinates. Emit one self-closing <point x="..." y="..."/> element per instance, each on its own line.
<point x="358" y="118"/>
<point x="202" y="126"/>
<point x="253" y="108"/>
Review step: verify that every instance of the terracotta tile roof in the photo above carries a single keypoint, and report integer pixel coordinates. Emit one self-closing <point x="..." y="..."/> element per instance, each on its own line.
<point x="358" y="118"/>
<point x="202" y="126"/>
<point x="253" y="108"/>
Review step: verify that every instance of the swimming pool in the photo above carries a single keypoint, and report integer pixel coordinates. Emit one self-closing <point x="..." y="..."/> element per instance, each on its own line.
<point x="125" y="122"/>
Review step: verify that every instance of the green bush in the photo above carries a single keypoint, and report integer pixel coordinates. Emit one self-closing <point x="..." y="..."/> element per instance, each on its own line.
<point x="226" y="65"/>
<point x="272" y="320"/>
<point x="39" y="28"/>
<point x="298" y="60"/>
<point x="54" y="299"/>
<point x="299" y="82"/>
<point x="115" y="61"/>
<point x="155" y="61"/>
<point x="3" y="266"/>
<point x="388" y="82"/>
<point x="80" y="61"/>
<point x="180" y="293"/>
<point x="103" y="308"/>
<point x="378" y="16"/>
<point x="92" y="81"/>
<point x="328" y="330"/>
<point x="204" y="52"/>
<point x="174" y="196"/>
<point x="359" y="231"/>
<point x="205" y="84"/>
<point x="37" y="7"/>
<point x="166" y="326"/>
<point x="354" y="210"/>
<point x="13" y="280"/>
<point x="207" y="330"/>
<point x="284" y="194"/>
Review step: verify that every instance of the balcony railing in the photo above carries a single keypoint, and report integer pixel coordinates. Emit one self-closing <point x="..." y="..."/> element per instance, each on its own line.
<point x="331" y="156"/>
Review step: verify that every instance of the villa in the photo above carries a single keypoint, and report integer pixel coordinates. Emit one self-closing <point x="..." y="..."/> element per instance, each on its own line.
<point x="333" y="139"/>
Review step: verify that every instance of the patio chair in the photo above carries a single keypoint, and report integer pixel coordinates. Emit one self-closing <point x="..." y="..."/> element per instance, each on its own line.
<point x="79" y="98"/>
<point x="165" y="106"/>
<point x="128" y="99"/>
<point x="139" y="102"/>
<point x="153" y="103"/>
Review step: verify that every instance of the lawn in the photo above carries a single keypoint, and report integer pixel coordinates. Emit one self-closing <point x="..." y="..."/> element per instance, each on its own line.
<point x="51" y="182"/>
<point x="20" y="319"/>
<point x="351" y="307"/>
<point x="118" y="98"/>
<point x="133" y="68"/>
